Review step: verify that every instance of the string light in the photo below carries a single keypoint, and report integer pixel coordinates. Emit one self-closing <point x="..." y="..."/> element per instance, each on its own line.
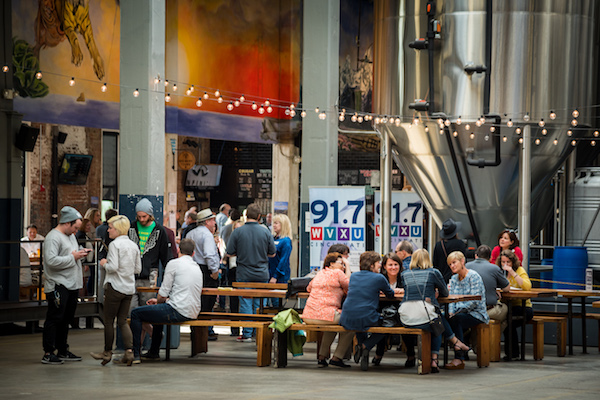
<point x="521" y="140"/>
<point x="447" y="122"/>
<point x="472" y="136"/>
<point x="267" y="102"/>
<point x="261" y="110"/>
<point x="292" y="113"/>
<point x="236" y="103"/>
<point x="440" y="121"/>
<point x="574" y="122"/>
<point x="199" y="102"/>
<point x="398" y="122"/>
<point x="341" y="117"/>
<point x="593" y="142"/>
<point x="322" y="115"/>
<point x="441" y="131"/>
<point x="354" y="118"/>
<point x="168" y="97"/>
<point x="569" y="133"/>
<point x="492" y="129"/>
<point x="509" y="123"/>
<point x="217" y="93"/>
<point x="136" y="93"/>
<point x="575" y="114"/>
<point x="595" y="133"/>
<point x="360" y="119"/>
<point x="478" y="123"/>
<point x="317" y="110"/>
<point x="426" y="129"/>
<point x="392" y="120"/>
<point x="230" y="106"/>
<point x="459" y="120"/>
<point x="38" y="75"/>
<point x="174" y="87"/>
<point x="156" y="80"/>
<point x="542" y="123"/>
<point x="416" y="120"/>
<point x="242" y="98"/>
<point x="303" y="113"/>
<point x="467" y="127"/>
<point x="205" y="96"/>
<point x="5" y="68"/>
<point x="292" y="106"/>
<point x="166" y="82"/>
<point x="504" y="139"/>
<point x="544" y="131"/>
<point x="384" y="120"/>
<point x="377" y="120"/>
<point x="552" y="115"/>
<point x="103" y="88"/>
<point x="537" y="141"/>
<point x="287" y="112"/>
<point x="189" y="91"/>
<point x="220" y="100"/>
<point x="518" y="131"/>
<point x="482" y="119"/>
<point x="526" y="117"/>
<point x="573" y="142"/>
<point x="269" y="109"/>
<point x="254" y="106"/>
<point x="72" y="81"/>
<point x="555" y="142"/>
<point x="192" y="89"/>
<point x="486" y="137"/>
<point x="455" y="133"/>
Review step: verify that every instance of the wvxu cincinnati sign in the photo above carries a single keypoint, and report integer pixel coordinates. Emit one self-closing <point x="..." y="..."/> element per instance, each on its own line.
<point x="337" y="215"/>
<point x="406" y="220"/>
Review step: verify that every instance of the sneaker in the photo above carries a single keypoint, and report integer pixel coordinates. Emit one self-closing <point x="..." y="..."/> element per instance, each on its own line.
<point x="136" y="360"/>
<point x="244" y="339"/>
<point x="68" y="356"/>
<point x="51" y="359"/>
<point x="150" y="357"/>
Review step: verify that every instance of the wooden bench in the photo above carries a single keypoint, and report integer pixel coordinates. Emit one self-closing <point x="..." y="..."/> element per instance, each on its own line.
<point x="199" y="337"/>
<point x="495" y="339"/>
<point x="575" y="315"/>
<point x="538" y="335"/>
<point x="424" y="342"/>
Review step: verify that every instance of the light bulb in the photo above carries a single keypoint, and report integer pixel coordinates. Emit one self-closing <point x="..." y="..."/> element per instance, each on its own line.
<point x="574" y="122"/>
<point x="188" y="92"/>
<point x="398" y="122"/>
<point x="455" y="133"/>
<point x="236" y="103"/>
<point x="72" y="82"/>
<point x="459" y="120"/>
<point x="575" y="113"/>
<point x="384" y="120"/>
<point x="509" y="123"/>
<point x="447" y="122"/>
<point x="377" y="120"/>
<point x="492" y="129"/>
<point x="267" y="102"/>
<point x="482" y="118"/>
<point x="261" y="110"/>
<point x="174" y="87"/>
<point x="537" y="141"/>
<point x="303" y="113"/>
<point x="596" y="133"/>
<point x="292" y="113"/>
<point x="38" y="75"/>
<point x="472" y="135"/>
<point x="168" y="97"/>
<point x="416" y="120"/>
<point x="360" y="119"/>
<point x="486" y="137"/>
<point x="166" y="82"/>
<point x="136" y="93"/>
<point x="217" y="93"/>
<point x="192" y="88"/>
<point x="103" y="88"/>
<point x="354" y="118"/>
<point x="504" y="139"/>
<point x="242" y="99"/>
<point x="542" y="123"/>
<point x="552" y="115"/>
<point x="441" y="131"/>
<point x="569" y="133"/>
<point x="199" y="102"/>
<point x="526" y="117"/>
<point x="440" y="121"/>
<point x="254" y="106"/>
<point x="555" y="142"/>
<point x="518" y="131"/>
<point x="392" y="120"/>
<point x="341" y="117"/>
<point x="426" y="129"/>
<point x="269" y="109"/>
<point x="5" y="68"/>
<point x="573" y="142"/>
<point x="521" y="140"/>
<point x="230" y="106"/>
<point x="593" y="142"/>
<point x="287" y="112"/>
<point x="205" y="96"/>
<point x="292" y="106"/>
<point x="220" y="100"/>
<point x="478" y="123"/>
<point x="156" y="80"/>
<point x="317" y="110"/>
<point x="322" y="115"/>
<point x="544" y="132"/>
<point x="467" y="127"/>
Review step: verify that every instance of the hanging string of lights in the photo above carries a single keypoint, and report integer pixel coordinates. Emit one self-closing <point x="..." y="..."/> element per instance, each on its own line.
<point x="232" y="100"/>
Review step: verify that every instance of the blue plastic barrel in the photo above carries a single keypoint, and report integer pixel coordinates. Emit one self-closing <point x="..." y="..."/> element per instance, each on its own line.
<point x="570" y="263"/>
<point x="546" y="275"/>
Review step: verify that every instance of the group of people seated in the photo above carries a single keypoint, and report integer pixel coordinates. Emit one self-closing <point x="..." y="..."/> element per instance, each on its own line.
<point x="353" y="300"/>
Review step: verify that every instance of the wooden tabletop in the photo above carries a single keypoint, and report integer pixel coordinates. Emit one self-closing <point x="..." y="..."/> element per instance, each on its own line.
<point x="570" y="292"/>
<point x="596" y="304"/>
<point x="527" y="294"/>
<point x="227" y="291"/>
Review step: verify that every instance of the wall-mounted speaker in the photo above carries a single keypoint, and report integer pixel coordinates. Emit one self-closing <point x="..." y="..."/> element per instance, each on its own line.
<point x="26" y="138"/>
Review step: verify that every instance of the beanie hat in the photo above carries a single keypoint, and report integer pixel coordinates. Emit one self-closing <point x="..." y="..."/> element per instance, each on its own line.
<point x="68" y="214"/>
<point x="144" y="205"/>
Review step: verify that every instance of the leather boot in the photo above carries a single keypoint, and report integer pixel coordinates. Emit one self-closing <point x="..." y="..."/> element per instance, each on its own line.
<point x="105" y="356"/>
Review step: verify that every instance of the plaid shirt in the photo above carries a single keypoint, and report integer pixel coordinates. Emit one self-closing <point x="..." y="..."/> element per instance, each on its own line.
<point x="472" y="284"/>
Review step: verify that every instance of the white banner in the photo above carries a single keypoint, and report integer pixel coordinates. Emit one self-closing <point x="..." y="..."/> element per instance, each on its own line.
<point x="337" y="215"/>
<point x="407" y="219"/>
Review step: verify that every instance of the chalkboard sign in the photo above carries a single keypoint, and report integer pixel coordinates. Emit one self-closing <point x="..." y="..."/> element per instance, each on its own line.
<point x="74" y="169"/>
<point x="254" y="183"/>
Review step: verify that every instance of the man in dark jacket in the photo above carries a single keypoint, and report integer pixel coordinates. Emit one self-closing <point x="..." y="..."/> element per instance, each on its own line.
<point x="449" y="242"/>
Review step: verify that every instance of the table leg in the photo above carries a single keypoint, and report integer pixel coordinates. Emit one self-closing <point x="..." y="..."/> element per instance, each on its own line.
<point x="570" y="320"/>
<point x="583" y="326"/>
<point x="523" y="326"/>
<point x="508" y="338"/>
<point x="199" y="339"/>
<point x="444" y="341"/>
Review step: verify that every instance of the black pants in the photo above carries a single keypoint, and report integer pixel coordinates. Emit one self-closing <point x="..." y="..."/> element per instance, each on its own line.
<point x="208" y="302"/>
<point x="61" y="310"/>
<point x="517" y="311"/>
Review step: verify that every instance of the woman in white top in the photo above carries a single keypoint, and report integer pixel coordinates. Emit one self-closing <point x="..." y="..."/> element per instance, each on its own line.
<point x="121" y="264"/>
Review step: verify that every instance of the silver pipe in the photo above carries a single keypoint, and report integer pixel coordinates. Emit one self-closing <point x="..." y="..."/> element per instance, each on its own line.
<point x="386" y="192"/>
<point x="431" y="234"/>
<point x="556" y="181"/>
<point x="525" y="198"/>
<point x="562" y="208"/>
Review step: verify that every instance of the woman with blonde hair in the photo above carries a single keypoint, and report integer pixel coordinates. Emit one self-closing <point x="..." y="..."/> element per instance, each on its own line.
<point x="422" y="286"/>
<point x="279" y="266"/>
<point x="121" y="264"/>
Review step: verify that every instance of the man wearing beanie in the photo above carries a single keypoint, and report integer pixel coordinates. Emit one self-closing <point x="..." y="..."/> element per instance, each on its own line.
<point x="63" y="278"/>
<point x="154" y="247"/>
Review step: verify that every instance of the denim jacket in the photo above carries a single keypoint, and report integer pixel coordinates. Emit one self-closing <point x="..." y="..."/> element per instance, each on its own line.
<point x="425" y="280"/>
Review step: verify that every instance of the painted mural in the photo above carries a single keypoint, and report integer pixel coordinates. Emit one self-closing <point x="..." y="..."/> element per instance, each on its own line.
<point x="249" y="47"/>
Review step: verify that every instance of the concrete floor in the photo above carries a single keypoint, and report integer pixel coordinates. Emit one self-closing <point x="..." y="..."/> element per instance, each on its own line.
<point x="229" y="370"/>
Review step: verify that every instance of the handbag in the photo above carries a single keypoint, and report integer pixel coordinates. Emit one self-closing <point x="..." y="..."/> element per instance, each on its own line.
<point x="390" y="316"/>
<point x="297" y="285"/>
<point x="435" y="324"/>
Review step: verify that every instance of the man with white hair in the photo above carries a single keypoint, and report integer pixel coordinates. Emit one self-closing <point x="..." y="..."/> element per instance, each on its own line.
<point x="222" y="216"/>
<point x="63" y="277"/>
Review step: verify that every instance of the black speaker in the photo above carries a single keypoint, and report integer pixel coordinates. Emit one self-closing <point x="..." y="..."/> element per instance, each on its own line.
<point x="26" y="138"/>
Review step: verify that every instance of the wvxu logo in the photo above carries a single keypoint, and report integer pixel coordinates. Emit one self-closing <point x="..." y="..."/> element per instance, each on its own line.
<point x="338" y="234"/>
<point x="401" y="231"/>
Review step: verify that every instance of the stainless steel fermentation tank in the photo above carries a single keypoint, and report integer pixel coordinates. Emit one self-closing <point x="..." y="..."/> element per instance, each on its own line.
<point x="517" y="60"/>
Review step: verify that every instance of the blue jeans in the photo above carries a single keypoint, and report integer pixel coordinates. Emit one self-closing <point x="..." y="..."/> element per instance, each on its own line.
<point x="369" y="340"/>
<point x="154" y="314"/>
<point x="249" y="306"/>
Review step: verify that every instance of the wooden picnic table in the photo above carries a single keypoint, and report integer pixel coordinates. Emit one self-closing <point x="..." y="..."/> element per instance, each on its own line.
<point x="571" y="294"/>
<point x="523" y="295"/>
<point x="596" y="304"/>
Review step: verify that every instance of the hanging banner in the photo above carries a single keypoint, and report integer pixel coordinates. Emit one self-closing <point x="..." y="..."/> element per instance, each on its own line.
<point x="337" y="215"/>
<point x="407" y="219"/>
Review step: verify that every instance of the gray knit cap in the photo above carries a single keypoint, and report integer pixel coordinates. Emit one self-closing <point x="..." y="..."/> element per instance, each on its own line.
<point x="68" y="214"/>
<point x="144" y="205"/>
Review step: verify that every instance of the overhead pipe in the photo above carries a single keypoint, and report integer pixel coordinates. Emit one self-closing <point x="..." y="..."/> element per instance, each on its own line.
<point x="481" y="162"/>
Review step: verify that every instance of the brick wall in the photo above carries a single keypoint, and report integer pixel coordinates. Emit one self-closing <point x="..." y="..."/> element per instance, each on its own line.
<point x="79" y="141"/>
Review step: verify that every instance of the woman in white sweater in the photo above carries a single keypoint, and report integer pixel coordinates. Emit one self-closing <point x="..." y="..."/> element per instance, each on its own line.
<point x="121" y="264"/>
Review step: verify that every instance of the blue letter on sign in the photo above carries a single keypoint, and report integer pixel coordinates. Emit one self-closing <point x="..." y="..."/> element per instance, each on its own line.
<point x="358" y="233"/>
<point x="330" y="233"/>
<point x="415" y="231"/>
